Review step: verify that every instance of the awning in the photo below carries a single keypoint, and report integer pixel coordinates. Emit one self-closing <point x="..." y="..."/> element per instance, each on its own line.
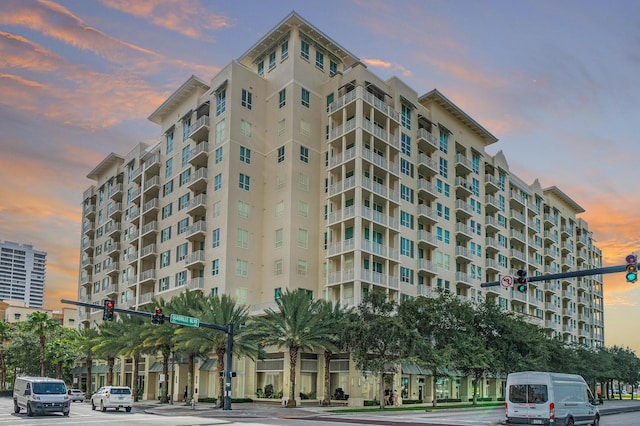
<point x="99" y="369"/>
<point x="408" y="102"/>
<point x="411" y="369"/>
<point x="444" y="128"/>
<point x="116" y="368"/>
<point x="210" y="364"/>
<point x="156" y="367"/>
<point x="79" y="370"/>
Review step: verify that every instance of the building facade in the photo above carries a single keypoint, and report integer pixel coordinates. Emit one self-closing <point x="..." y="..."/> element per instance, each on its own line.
<point x="296" y="167"/>
<point x="22" y="273"/>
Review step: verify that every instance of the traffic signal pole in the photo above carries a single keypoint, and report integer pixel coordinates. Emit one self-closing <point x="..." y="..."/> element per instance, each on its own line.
<point x="226" y="328"/>
<point x="571" y="274"/>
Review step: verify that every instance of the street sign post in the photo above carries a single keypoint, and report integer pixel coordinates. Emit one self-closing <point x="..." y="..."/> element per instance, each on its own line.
<point x="184" y="320"/>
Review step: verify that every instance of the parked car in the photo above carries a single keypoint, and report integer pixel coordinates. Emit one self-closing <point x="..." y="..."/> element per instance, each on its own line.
<point x="75" y="395"/>
<point x="112" y="397"/>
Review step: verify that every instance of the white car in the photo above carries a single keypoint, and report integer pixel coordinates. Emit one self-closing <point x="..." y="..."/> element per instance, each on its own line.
<point x="112" y="397"/>
<point x="75" y="395"/>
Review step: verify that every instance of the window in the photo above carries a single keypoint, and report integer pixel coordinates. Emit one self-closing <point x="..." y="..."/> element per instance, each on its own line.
<point x="169" y="143"/>
<point x="181" y="278"/>
<point x="277" y="293"/>
<point x="281" y="154"/>
<point x="221" y="102"/>
<point x="220" y="130"/>
<point x="186" y="128"/>
<point x="303" y="181"/>
<point x="304" y="50"/>
<point x="282" y="126"/>
<point x="304" y="98"/>
<point x="245" y="128"/>
<point x="167" y="188"/>
<point x="245" y="182"/>
<point x="319" y="60"/>
<point x="217" y="182"/>
<point x="279" y="234"/>
<point x="406" y="144"/>
<point x="165" y="258"/>
<point x="406" y="193"/>
<point x="183" y="201"/>
<point x="242" y="268"/>
<point x="279" y="208"/>
<point x="181" y="251"/>
<point x="217" y="209"/>
<point x="475" y="162"/>
<point x="216" y="237"/>
<point x="186" y="153"/>
<point x="329" y="100"/>
<point x="242" y="238"/>
<point x="443" y="188"/>
<point x="164" y="284"/>
<point x="305" y="128"/>
<point x="444" y="168"/>
<point x="406" y="167"/>
<point x="304" y="154"/>
<point x="165" y="234"/>
<point x="405" y="118"/>
<point x="406" y="220"/>
<point x="475" y="187"/>
<point x="183" y="225"/>
<point x="168" y="168"/>
<point x="303" y="238"/>
<point x="406" y="247"/>
<point x="245" y="155"/>
<point x="272" y="60"/>
<point x="184" y="177"/>
<point x="246" y="99"/>
<point x="282" y="95"/>
<point x="261" y="69"/>
<point x="303" y="208"/>
<point x="166" y="210"/>
<point x="302" y="268"/>
<point x="215" y="267"/>
<point x="277" y="267"/>
<point x="333" y="68"/>
<point x="280" y="180"/>
<point x="284" y="50"/>
<point x="243" y="209"/>
<point x="444" y="141"/>
<point x="406" y="275"/>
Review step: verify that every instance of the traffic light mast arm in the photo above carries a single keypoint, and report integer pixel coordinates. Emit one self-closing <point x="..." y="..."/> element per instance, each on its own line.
<point x="573" y="274"/>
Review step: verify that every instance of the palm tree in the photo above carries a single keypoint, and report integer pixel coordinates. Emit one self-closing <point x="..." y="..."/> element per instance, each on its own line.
<point x="334" y="318"/>
<point x="5" y="331"/>
<point x="297" y="326"/>
<point x="132" y="346"/>
<point x="220" y="310"/>
<point x="86" y="340"/>
<point x="108" y="345"/>
<point x="41" y="324"/>
<point x="62" y="349"/>
<point x="160" y="339"/>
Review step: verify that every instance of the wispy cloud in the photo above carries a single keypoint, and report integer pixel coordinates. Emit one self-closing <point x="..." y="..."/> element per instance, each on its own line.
<point x="395" y="68"/>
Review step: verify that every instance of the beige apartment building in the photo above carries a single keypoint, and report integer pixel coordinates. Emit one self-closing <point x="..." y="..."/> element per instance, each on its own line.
<point x="296" y="167"/>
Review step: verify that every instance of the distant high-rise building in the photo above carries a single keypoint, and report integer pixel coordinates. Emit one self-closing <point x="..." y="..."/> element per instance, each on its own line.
<point x="296" y="167"/>
<point x="22" y="273"/>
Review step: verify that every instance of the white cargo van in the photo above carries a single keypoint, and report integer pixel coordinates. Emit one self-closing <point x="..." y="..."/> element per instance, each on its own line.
<point x="541" y="398"/>
<point x="40" y="395"/>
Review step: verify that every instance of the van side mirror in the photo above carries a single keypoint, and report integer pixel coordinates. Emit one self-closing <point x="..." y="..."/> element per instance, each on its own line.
<point x="27" y="392"/>
<point x="595" y="401"/>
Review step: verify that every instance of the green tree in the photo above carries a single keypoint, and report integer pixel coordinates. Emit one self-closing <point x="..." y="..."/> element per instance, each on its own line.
<point x="377" y="337"/>
<point x="296" y="325"/>
<point x="108" y="345"/>
<point x="333" y="317"/>
<point x="41" y="324"/>
<point x="132" y="346"/>
<point x="5" y="332"/>
<point x="160" y="339"/>
<point x="23" y="352"/>
<point x="62" y="351"/>
<point x="85" y="341"/>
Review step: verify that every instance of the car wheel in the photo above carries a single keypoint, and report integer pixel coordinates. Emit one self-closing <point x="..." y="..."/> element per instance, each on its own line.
<point x="16" y="407"/>
<point x="596" y="421"/>
<point x="103" y="408"/>
<point x="570" y="422"/>
<point x="117" y="408"/>
<point x="66" y="413"/>
<point x="128" y="409"/>
<point x="29" y="410"/>
<point x="93" y="406"/>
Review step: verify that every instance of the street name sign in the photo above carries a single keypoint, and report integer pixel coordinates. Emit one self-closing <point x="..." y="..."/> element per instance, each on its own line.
<point x="184" y="320"/>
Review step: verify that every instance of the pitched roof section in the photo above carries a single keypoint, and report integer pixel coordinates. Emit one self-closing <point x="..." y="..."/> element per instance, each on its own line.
<point x="281" y="29"/>
<point x="453" y="109"/>
<point x="104" y="165"/>
<point x="187" y="88"/>
<point x="564" y="197"/>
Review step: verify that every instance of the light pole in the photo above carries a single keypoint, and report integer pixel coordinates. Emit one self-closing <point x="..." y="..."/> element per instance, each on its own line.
<point x="173" y="372"/>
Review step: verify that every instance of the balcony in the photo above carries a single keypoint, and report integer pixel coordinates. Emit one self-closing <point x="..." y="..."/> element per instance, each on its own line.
<point x="115" y="192"/>
<point x="87" y="263"/>
<point x="519" y="217"/>
<point x="116" y="211"/>
<point x="145" y="298"/>
<point x="380" y="161"/>
<point x="427" y="190"/>
<point x="151" y="207"/>
<point x="200" y="129"/>
<point x="491" y="204"/>
<point x="113" y="230"/>
<point x="152" y="184"/>
<point x="149" y="228"/>
<point x="427" y="239"/>
<point x="463" y="279"/>
<point x="428" y="213"/>
<point x="113" y="248"/>
<point x="427" y="166"/>
<point x="380" y="189"/>
<point x="380" y="218"/>
<point x="148" y="251"/>
<point x="87" y="244"/>
<point x="431" y="268"/>
<point x="112" y="290"/>
<point x="464" y="208"/>
<point x="427" y="142"/>
<point x="492" y="265"/>
<point x="134" y="216"/>
<point x="152" y="165"/>
<point x="195" y="260"/>
<point x="112" y="269"/>
<point x="195" y="283"/>
<point x="464" y="166"/>
<point x="199" y="156"/>
<point x="136" y="175"/>
<point x="492" y="184"/>
<point x="492" y="244"/>
<point x="463" y="254"/>
<point x="197" y="206"/>
<point x="463" y="188"/>
<point x="198" y="181"/>
<point x="148" y="276"/>
<point x="517" y="254"/>
<point x="197" y="231"/>
<point x="379" y="249"/>
<point x="86" y="278"/>
<point x="464" y="232"/>
<point x="89" y="211"/>
<point x="379" y="279"/>
<point x="88" y="228"/>
<point x="492" y="224"/>
<point x="519" y="236"/>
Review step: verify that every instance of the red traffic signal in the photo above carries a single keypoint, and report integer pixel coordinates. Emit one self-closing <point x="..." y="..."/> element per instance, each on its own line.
<point x="158" y="317"/>
<point x="107" y="313"/>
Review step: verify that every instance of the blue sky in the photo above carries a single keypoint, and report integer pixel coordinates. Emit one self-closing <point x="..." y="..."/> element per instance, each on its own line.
<point x="555" y="81"/>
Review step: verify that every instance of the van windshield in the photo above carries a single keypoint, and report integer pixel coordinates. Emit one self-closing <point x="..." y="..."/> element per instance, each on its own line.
<point x="49" y="388"/>
<point x="528" y="394"/>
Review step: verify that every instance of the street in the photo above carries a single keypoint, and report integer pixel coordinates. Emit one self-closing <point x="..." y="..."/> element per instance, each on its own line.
<point x="269" y="415"/>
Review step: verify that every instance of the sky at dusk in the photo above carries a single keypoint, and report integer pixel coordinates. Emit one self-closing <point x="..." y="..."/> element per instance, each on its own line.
<point x="556" y="81"/>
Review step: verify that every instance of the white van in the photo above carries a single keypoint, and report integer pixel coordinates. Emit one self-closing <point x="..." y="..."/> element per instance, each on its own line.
<point x="541" y="398"/>
<point x="40" y="395"/>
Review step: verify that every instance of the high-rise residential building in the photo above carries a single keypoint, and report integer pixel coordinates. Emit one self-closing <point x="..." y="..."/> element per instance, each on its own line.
<point x="22" y="273"/>
<point x="296" y="167"/>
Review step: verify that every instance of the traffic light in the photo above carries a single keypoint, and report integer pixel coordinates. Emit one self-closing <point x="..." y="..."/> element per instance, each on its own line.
<point x="632" y="268"/>
<point x="107" y="313"/>
<point x="521" y="281"/>
<point x="158" y="317"/>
